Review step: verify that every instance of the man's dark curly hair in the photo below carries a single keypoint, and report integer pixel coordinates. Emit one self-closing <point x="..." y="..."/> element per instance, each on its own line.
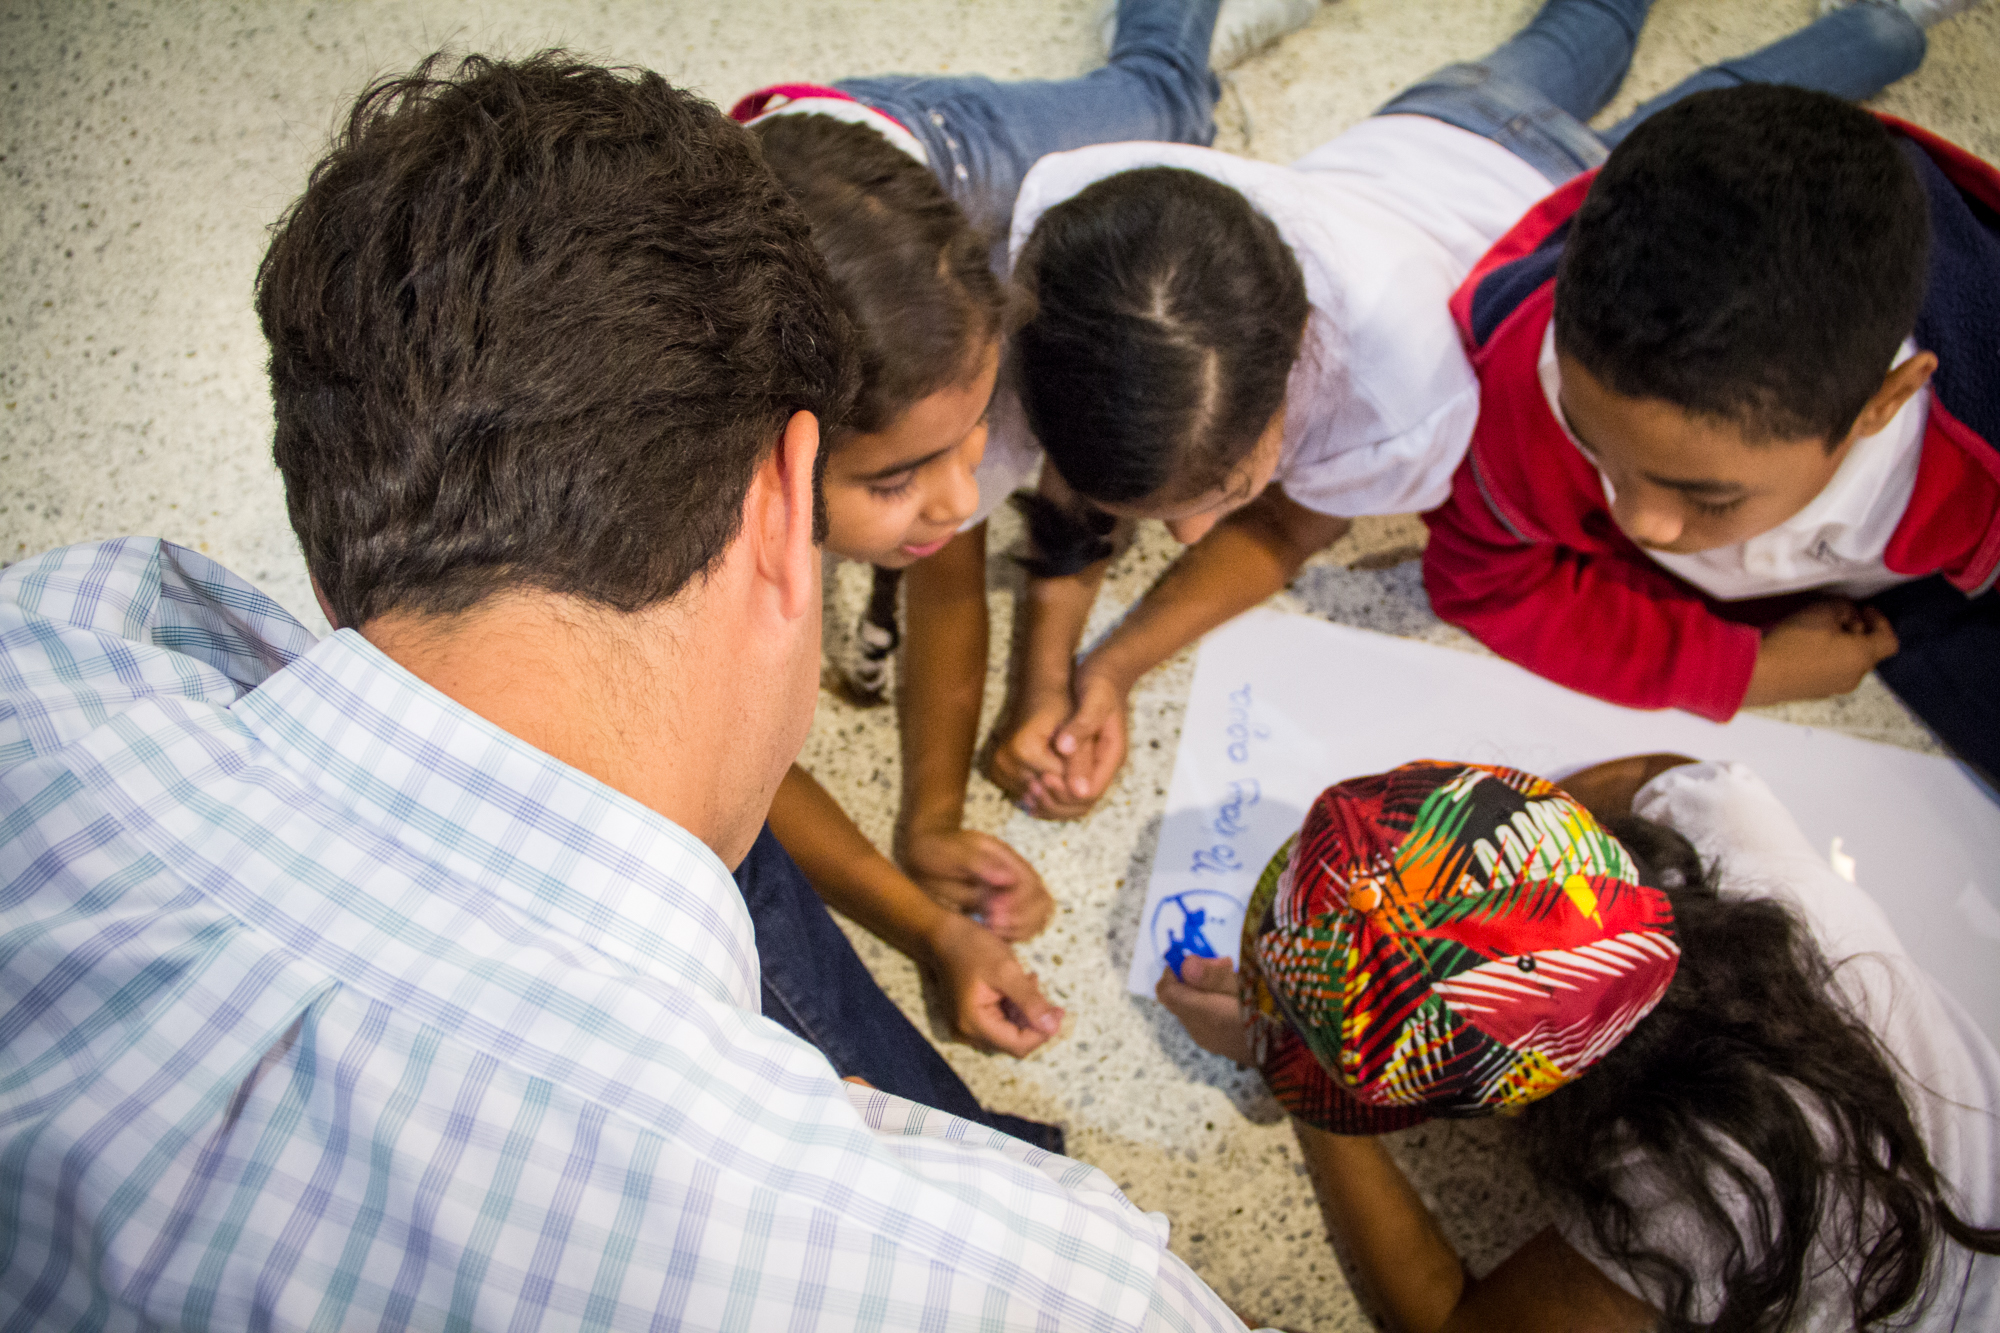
<point x="1752" y="254"/>
<point x="536" y="324"/>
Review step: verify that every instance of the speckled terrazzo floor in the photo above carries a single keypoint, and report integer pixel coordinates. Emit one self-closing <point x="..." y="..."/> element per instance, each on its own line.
<point x="144" y="148"/>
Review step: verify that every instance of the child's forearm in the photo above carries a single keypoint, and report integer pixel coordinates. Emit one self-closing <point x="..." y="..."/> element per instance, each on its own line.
<point x="1243" y="559"/>
<point x="848" y="873"/>
<point x="1412" y="1269"/>
<point x="1057" y="610"/>
<point x="1602" y="622"/>
<point x="1373" y="1212"/>
<point x="944" y="680"/>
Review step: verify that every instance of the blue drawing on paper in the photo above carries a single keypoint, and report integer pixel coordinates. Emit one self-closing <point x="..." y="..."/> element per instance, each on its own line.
<point x="1221" y="859"/>
<point x="1229" y="816"/>
<point x="1240" y="729"/>
<point x="1199" y="923"/>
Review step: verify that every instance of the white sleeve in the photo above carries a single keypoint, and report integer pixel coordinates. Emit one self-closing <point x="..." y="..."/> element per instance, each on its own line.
<point x="1180" y="1301"/>
<point x="88" y="631"/>
<point x="1738" y="824"/>
<point x="1183" y="1303"/>
<point x="1013" y="457"/>
<point x="1407" y="473"/>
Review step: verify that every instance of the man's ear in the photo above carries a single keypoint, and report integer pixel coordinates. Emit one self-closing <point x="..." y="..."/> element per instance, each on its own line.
<point x="325" y="606"/>
<point x="782" y="508"/>
<point x="1898" y="386"/>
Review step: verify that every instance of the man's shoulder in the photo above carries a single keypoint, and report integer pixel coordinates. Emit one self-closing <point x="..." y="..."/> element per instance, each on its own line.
<point x="89" y="631"/>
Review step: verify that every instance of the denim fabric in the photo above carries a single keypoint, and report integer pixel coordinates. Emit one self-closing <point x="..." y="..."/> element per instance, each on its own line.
<point x="1534" y="94"/>
<point x="817" y="988"/>
<point x="1947" y="666"/>
<point x="982" y="135"/>
<point x="1852" y="53"/>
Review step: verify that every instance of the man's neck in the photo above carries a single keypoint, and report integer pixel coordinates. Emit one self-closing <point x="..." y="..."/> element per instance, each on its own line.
<point x="620" y="697"/>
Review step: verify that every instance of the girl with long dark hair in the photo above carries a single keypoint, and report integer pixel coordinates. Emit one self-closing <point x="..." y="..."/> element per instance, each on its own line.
<point x="1750" y="1106"/>
<point x="908" y="182"/>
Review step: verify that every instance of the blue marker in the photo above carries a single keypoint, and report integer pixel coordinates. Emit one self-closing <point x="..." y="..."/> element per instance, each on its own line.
<point x="1190" y="942"/>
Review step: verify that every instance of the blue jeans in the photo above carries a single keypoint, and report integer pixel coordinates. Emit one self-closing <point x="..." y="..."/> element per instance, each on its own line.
<point x="818" y="989"/>
<point x="1534" y="94"/>
<point x="982" y="136"/>
<point x="1947" y="666"/>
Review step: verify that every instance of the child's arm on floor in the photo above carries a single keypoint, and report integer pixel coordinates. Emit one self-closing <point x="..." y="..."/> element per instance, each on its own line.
<point x="1049" y="626"/>
<point x="1603" y="622"/>
<point x="994" y="1003"/>
<point x="937" y="705"/>
<point x="1245" y="558"/>
<point x="1612" y="625"/>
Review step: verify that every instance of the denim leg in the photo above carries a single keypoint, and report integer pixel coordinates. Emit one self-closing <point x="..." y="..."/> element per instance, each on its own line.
<point x="1533" y="94"/>
<point x="1852" y="53"/>
<point x="1575" y="52"/>
<point x="817" y="988"/>
<point x="982" y="135"/>
<point x="1947" y="666"/>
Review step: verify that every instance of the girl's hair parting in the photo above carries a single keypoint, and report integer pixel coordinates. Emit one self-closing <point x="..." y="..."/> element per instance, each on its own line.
<point x="1713" y="1089"/>
<point x="1167" y="315"/>
<point x="911" y="272"/>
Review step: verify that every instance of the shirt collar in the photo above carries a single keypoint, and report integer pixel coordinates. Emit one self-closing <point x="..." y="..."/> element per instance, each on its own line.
<point x="1860" y="488"/>
<point x="490" y="809"/>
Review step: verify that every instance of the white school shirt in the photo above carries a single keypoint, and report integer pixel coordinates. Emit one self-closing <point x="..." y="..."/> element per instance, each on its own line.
<point x="1950" y="1070"/>
<point x="1836" y="542"/>
<point x="326" y="1003"/>
<point x="1385" y="220"/>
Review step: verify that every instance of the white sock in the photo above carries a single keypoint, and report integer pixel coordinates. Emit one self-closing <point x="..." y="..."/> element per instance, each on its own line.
<point x="1242" y="28"/>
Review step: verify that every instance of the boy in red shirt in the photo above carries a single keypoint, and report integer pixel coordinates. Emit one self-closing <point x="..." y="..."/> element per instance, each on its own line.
<point x="1739" y="405"/>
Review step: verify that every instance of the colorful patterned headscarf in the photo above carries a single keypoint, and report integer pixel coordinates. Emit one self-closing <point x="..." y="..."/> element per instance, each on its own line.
<point x="1446" y="940"/>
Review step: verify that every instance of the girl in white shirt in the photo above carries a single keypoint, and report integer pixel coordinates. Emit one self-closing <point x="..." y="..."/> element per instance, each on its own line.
<point x="1799" y="1130"/>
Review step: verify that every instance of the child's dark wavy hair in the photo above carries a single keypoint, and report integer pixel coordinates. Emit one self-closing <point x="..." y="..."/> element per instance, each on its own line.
<point x="911" y="271"/>
<point x="1167" y="315"/>
<point x="1745" y="1039"/>
<point x="1752" y="254"/>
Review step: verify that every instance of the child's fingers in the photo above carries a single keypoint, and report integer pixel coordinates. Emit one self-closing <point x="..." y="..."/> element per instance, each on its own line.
<point x="1882" y="632"/>
<point x="1212" y="1019"/>
<point x="1023" y="994"/>
<point x="1217" y="976"/>
<point x="1051" y="800"/>
<point x="1093" y="776"/>
<point x="995" y="864"/>
<point x="1013" y="1016"/>
<point x="1885" y="645"/>
<point x="1019" y="913"/>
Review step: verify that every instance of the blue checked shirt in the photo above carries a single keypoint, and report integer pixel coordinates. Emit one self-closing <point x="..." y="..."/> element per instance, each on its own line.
<point x="325" y="1004"/>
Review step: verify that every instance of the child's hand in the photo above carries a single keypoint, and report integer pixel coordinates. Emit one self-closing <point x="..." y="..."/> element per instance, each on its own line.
<point x="1821" y="650"/>
<point x="1026" y="758"/>
<point x="1062" y="755"/>
<point x="979" y="874"/>
<point x="1205" y="999"/>
<point x="1092" y="743"/>
<point x="993" y="1002"/>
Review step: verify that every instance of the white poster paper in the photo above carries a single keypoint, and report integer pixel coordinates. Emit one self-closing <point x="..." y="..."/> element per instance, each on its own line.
<point x="1284" y="705"/>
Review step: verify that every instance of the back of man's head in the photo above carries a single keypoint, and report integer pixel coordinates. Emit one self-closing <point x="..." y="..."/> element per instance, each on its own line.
<point x="534" y="325"/>
<point x="1753" y="254"/>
